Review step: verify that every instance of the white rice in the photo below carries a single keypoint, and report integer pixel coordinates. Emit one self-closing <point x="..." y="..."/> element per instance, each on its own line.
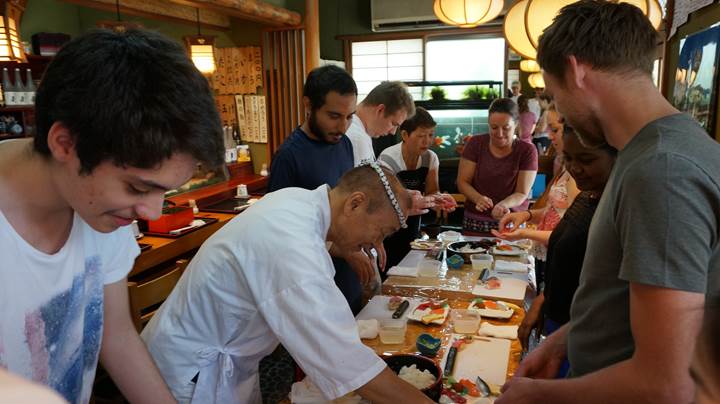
<point x="419" y="379"/>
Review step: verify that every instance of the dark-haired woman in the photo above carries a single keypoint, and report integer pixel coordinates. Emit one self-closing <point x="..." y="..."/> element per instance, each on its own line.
<point x="496" y="170"/>
<point x="590" y="167"/>
<point x="417" y="167"/>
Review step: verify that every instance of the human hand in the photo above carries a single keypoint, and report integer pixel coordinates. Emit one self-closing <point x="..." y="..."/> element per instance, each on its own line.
<point x="544" y="361"/>
<point x="519" y="390"/>
<point x="511" y="235"/>
<point x="499" y="211"/>
<point x="483" y="203"/>
<point x="445" y="202"/>
<point x="361" y="264"/>
<point x="420" y="204"/>
<point x="531" y="321"/>
<point x="512" y="218"/>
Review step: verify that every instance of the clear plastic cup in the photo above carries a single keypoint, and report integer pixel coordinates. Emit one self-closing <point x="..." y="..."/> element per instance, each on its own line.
<point x="392" y="331"/>
<point x="429" y="268"/>
<point x="481" y="261"/>
<point x="465" y="321"/>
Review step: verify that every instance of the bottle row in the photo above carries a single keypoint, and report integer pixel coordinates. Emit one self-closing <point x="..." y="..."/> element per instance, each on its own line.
<point x="17" y="93"/>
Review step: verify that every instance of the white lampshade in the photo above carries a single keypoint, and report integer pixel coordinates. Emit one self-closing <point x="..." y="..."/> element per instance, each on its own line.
<point x="515" y="33"/>
<point x="529" y="65"/>
<point x="467" y="13"/>
<point x="202" y="52"/>
<point x="536" y="80"/>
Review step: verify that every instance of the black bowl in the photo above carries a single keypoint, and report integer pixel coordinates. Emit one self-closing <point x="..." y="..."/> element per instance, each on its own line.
<point x="432" y="230"/>
<point x="456" y="246"/>
<point x="397" y="361"/>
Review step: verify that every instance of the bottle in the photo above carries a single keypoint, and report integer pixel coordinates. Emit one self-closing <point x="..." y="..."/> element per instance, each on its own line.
<point x="9" y="88"/>
<point x="264" y="170"/>
<point x="30" y="89"/>
<point x="19" y="88"/>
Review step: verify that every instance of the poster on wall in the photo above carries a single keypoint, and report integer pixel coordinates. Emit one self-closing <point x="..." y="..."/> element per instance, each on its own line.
<point x="696" y="78"/>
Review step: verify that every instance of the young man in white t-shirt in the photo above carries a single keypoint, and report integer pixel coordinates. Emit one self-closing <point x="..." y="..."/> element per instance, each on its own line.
<point x="381" y="113"/>
<point x="121" y="118"/>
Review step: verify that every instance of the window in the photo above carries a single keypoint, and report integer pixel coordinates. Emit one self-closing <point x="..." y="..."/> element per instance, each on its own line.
<point x="377" y="61"/>
<point x="464" y="60"/>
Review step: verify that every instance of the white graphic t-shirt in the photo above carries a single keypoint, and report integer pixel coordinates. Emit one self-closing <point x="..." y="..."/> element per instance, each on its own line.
<point x="51" y="320"/>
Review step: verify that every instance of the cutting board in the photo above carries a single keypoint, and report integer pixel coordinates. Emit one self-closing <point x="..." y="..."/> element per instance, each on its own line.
<point x="487" y="359"/>
<point x="377" y="308"/>
<point x="511" y="289"/>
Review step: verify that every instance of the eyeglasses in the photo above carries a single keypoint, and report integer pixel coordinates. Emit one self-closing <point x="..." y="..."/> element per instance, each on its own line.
<point x="390" y="194"/>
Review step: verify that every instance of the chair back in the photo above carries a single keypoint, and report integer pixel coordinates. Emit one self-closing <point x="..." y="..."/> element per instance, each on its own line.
<point x="146" y="295"/>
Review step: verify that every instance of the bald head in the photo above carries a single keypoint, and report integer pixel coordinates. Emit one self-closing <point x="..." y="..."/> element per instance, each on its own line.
<point x="364" y="179"/>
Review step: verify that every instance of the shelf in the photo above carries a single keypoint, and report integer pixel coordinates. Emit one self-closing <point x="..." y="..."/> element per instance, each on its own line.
<point x="17" y="108"/>
<point x="7" y="137"/>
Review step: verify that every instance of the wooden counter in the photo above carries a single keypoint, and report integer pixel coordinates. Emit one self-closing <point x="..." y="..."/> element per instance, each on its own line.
<point x="449" y="284"/>
<point x="444" y="332"/>
<point x="168" y="249"/>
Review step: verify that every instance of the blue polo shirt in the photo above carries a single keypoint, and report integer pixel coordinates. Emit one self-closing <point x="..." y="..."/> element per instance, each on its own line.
<point x="307" y="163"/>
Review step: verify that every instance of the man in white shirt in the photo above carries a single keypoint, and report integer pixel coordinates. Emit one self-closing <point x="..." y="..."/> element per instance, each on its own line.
<point x="381" y="113"/>
<point x="266" y="278"/>
<point x="121" y="118"/>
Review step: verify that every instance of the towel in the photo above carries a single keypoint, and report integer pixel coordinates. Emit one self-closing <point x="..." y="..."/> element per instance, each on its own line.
<point x="498" y="331"/>
<point x="510" y="266"/>
<point x="403" y="271"/>
<point x="368" y="329"/>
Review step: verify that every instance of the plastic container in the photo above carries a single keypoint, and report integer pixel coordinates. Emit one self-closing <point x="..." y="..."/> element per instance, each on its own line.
<point x="172" y="218"/>
<point x="481" y="261"/>
<point x="465" y="321"/>
<point x="429" y="268"/>
<point x="392" y="331"/>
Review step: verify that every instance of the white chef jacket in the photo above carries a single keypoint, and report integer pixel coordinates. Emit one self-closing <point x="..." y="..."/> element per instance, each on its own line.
<point x="363" y="152"/>
<point x="264" y="278"/>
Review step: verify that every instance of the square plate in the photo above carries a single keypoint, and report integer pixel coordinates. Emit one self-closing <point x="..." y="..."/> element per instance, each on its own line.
<point x="418" y="314"/>
<point x="491" y="313"/>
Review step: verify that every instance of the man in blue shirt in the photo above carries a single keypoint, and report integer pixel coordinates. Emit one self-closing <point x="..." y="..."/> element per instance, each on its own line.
<point x="318" y="152"/>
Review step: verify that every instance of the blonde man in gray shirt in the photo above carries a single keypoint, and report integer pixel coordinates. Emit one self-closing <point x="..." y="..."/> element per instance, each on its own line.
<point x="653" y="250"/>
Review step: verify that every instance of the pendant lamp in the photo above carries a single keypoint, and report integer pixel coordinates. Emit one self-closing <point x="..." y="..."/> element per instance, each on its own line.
<point x="11" y="48"/>
<point x="202" y="50"/>
<point x="526" y="20"/>
<point x="529" y="66"/>
<point x="467" y="13"/>
<point x="536" y="80"/>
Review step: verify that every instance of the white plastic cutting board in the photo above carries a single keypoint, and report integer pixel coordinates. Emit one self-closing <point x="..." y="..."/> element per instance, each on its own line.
<point x="377" y="308"/>
<point x="487" y="359"/>
<point x="512" y="289"/>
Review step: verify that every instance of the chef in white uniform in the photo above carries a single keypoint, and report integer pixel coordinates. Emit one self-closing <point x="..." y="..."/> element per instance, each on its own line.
<point x="266" y="278"/>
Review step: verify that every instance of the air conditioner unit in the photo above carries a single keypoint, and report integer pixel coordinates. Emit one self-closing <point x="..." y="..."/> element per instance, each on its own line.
<point x="403" y="15"/>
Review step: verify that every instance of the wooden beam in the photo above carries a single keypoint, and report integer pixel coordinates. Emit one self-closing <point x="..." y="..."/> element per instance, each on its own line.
<point x="312" y="34"/>
<point x="254" y="10"/>
<point x="161" y="10"/>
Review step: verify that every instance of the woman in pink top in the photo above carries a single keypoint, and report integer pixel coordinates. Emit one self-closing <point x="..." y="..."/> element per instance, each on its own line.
<point x="496" y="170"/>
<point x="528" y="120"/>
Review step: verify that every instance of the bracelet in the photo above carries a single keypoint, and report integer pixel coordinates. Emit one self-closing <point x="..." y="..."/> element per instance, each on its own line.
<point x="529" y="212"/>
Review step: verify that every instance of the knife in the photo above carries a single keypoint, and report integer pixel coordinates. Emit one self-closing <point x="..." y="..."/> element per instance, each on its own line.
<point x="401" y="309"/>
<point x="450" y="362"/>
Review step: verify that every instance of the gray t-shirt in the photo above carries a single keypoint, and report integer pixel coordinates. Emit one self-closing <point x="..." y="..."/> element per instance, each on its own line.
<point x="656" y="224"/>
